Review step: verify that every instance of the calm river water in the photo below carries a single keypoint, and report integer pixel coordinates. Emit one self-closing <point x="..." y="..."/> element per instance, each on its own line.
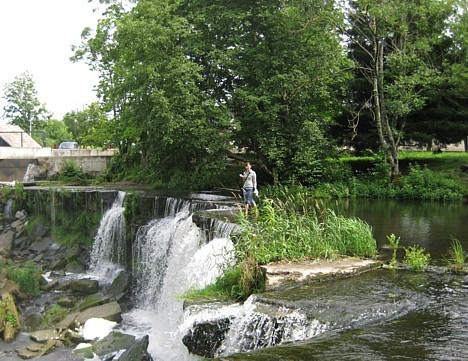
<point x="428" y="224"/>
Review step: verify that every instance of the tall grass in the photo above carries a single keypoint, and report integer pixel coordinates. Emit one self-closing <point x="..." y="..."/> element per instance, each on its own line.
<point x="290" y="226"/>
<point x="296" y="226"/>
<point x="456" y="258"/>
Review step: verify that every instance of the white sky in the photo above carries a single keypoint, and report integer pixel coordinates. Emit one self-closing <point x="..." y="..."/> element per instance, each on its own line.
<point x="36" y="36"/>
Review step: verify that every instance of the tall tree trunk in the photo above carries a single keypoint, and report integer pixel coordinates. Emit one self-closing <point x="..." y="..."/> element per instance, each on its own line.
<point x="386" y="138"/>
<point x="392" y="146"/>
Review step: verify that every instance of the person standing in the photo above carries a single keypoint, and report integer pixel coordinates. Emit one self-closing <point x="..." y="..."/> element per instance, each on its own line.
<point x="249" y="187"/>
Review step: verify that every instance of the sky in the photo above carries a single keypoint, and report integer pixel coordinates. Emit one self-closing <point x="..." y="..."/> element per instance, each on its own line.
<point x="36" y="37"/>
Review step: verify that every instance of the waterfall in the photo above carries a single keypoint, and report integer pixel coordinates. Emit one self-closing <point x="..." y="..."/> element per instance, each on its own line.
<point x="170" y="258"/>
<point x="109" y="242"/>
<point x="27" y="175"/>
<point x="8" y="210"/>
<point x="254" y="327"/>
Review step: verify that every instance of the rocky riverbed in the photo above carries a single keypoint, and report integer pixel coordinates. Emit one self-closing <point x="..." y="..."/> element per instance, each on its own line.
<point x="73" y="315"/>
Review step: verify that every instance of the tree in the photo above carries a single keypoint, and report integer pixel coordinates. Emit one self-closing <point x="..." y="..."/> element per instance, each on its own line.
<point x="55" y="131"/>
<point x="166" y="125"/>
<point x="23" y="107"/>
<point x="444" y="117"/>
<point x="277" y="67"/>
<point x="90" y="127"/>
<point x="391" y="43"/>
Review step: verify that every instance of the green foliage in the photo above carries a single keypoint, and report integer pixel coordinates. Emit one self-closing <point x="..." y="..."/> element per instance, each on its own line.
<point x="90" y="127"/>
<point x="394" y="243"/>
<point x="70" y="172"/>
<point x="55" y="131"/>
<point x="427" y="185"/>
<point x="297" y="227"/>
<point x="456" y="259"/>
<point x="415" y="258"/>
<point x="291" y="226"/>
<point x="419" y="183"/>
<point x="23" y="107"/>
<point x="26" y="276"/>
<point x="54" y="315"/>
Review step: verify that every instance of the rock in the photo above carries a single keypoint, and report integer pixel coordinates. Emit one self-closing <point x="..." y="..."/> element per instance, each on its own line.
<point x="31" y="320"/>
<point x="58" y="264"/>
<point x="35" y="347"/>
<point x="74" y="337"/>
<point x="119" y="286"/>
<point x="114" y="341"/>
<point x="26" y="354"/>
<point x="68" y="322"/>
<point x="20" y="229"/>
<point x="65" y="302"/>
<point x="138" y="351"/>
<point x="21" y="214"/>
<point x="205" y="338"/>
<point x="85" y="350"/>
<point x="85" y="286"/>
<point x="6" y="242"/>
<point x="41" y="245"/>
<point x="109" y="311"/>
<point x="9" y="317"/>
<point x="75" y="267"/>
<point x="96" y="299"/>
<point x="42" y="336"/>
<point x="39" y="230"/>
<point x="72" y="252"/>
<point x="50" y="285"/>
<point x="20" y="243"/>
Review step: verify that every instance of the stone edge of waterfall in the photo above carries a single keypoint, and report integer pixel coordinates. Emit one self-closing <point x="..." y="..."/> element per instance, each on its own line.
<point x="285" y="274"/>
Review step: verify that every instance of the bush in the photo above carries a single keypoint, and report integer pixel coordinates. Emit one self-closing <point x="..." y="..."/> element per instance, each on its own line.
<point x="415" y="258"/>
<point x="27" y="277"/>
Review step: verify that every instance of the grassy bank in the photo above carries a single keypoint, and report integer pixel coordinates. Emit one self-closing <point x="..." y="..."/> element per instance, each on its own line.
<point x="424" y="176"/>
<point x="290" y="226"/>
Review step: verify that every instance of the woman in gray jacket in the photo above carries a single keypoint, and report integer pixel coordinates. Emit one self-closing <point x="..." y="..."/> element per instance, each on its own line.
<point x="249" y="187"/>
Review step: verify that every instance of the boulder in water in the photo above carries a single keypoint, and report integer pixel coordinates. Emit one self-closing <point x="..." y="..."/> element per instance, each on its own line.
<point x="205" y="338"/>
<point x="110" y="311"/>
<point x="138" y="351"/>
<point x="86" y="286"/>
<point x="114" y="341"/>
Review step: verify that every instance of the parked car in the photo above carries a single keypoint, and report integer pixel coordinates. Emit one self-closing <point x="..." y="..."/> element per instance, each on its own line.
<point x="69" y="145"/>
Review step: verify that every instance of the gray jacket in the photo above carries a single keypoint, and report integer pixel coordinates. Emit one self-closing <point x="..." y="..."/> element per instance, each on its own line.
<point x="250" y="179"/>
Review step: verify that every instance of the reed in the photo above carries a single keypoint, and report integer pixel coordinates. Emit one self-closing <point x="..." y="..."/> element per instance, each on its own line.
<point x="456" y="259"/>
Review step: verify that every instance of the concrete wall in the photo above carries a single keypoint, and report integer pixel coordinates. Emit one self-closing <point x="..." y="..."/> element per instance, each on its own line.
<point x="26" y="164"/>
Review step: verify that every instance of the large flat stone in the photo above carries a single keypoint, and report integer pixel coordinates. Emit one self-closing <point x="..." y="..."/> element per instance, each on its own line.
<point x="110" y="311"/>
<point x="283" y="274"/>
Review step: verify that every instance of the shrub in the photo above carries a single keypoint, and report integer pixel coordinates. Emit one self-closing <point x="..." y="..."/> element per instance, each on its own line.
<point x="27" y="277"/>
<point x="415" y="258"/>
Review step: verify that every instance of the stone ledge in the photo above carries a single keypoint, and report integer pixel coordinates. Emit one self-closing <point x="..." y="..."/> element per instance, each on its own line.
<point x="284" y="274"/>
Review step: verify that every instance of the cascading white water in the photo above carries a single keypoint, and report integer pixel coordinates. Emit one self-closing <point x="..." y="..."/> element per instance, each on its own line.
<point x="170" y="257"/>
<point x="27" y="175"/>
<point x="169" y="260"/>
<point x="109" y="242"/>
<point x="8" y="209"/>
<point x="253" y="327"/>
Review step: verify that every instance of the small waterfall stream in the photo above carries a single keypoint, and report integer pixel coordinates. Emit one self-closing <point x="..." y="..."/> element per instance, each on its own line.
<point x="109" y="242"/>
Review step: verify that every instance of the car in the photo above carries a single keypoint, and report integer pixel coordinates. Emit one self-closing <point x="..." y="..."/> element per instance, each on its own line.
<point x="69" y="145"/>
